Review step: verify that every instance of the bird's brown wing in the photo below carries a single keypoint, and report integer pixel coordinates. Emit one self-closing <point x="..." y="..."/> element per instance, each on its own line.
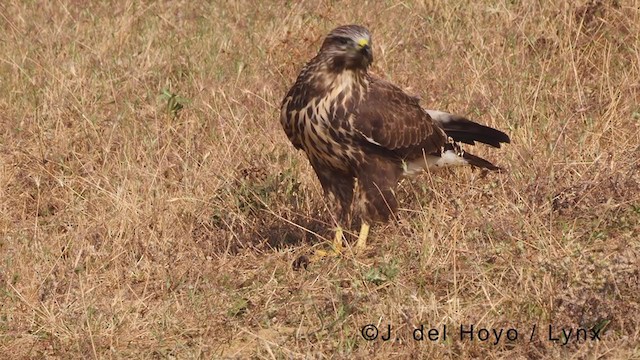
<point x="390" y="118"/>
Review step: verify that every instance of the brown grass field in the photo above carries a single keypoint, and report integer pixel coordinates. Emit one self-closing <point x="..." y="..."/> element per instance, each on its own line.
<point x="152" y="207"/>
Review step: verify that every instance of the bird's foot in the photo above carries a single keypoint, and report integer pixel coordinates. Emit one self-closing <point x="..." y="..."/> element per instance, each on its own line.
<point x="336" y="247"/>
<point x="362" y="238"/>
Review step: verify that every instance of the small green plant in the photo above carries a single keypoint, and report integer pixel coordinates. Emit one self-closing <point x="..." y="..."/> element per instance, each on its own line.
<point x="383" y="273"/>
<point x="238" y="307"/>
<point x="175" y="102"/>
<point x="601" y="324"/>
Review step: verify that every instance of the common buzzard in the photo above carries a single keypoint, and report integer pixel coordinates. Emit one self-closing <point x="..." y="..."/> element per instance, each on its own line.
<point x="362" y="134"/>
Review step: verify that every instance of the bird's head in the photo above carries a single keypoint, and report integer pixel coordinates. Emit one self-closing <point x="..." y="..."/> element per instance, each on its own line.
<point x="349" y="46"/>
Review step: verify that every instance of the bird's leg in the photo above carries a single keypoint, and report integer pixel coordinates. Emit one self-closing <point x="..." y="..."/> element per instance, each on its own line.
<point x="339" y="191"/>
<point x="336" y="246"/>
<point x="362" y="237"/>
<point x="337" y="241"/>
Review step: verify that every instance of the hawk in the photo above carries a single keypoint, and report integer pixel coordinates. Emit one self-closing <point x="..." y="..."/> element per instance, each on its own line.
<point x="362" y="134"/>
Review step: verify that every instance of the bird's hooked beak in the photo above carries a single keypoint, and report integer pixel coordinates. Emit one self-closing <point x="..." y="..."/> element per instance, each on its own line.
<point x="365" y="49"/>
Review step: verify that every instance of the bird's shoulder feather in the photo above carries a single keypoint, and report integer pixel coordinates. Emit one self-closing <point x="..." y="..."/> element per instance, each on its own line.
<point x="390" y="118"/>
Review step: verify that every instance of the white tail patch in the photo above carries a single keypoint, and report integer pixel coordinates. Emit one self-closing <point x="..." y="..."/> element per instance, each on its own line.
<point x="432" y="162"/>
<point x="439" y="116"/>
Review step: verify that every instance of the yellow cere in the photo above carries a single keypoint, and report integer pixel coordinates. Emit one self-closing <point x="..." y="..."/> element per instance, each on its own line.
<point x="363" y="42"/>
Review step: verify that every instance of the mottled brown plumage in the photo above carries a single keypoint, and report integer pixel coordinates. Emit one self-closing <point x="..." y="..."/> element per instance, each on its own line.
<point x="353" y="125"/>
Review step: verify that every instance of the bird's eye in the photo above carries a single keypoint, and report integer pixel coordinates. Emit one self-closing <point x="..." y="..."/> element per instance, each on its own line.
<point x="343" y="41"/>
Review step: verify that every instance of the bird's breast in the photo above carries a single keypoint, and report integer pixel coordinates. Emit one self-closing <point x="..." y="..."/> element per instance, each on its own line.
<point x="321" y="124"/>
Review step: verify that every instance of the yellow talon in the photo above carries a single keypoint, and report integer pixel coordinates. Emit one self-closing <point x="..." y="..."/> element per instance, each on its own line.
<point x="362" y="237"/>
<point x="336" y="247"/>
<point x="337" y="241"/>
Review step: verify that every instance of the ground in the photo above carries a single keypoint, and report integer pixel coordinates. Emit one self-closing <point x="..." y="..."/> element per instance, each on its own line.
<point x="152" y="207"/>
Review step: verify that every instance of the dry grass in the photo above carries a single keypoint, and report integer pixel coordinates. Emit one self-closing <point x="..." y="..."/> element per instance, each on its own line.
<point x="142" y="225"/>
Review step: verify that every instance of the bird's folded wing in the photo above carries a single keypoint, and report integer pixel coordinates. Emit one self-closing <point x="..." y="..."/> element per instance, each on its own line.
<point x="390" y="118"/>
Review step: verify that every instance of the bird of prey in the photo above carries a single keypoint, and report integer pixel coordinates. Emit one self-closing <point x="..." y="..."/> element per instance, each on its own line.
<point x="362" y="134"/>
